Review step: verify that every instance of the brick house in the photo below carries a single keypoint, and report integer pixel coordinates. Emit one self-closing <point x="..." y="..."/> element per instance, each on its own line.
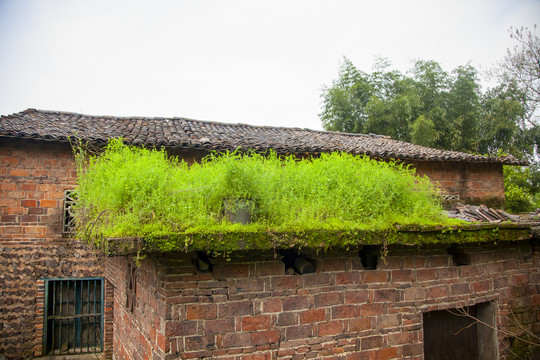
<point x="59" y="296"/>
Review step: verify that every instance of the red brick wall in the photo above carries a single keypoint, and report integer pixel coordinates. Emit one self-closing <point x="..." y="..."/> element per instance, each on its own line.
<point x="248" y="308"/>
<point x="33" y="177"/>
<point x="474" y="183"/>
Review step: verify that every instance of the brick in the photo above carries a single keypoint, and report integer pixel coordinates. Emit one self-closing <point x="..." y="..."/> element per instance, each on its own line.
<point x="374" y="276"/>
<point x="18" y="172"/>
<point x="269" y="268"/>
<point x="360" y="324"/>
<point x="8" y="218"/>
<point x="299" y="332"/>
<point x="180" y="328"/>
<point x="250" y="285"/>
<point x="480" y="286"/>
<point x="162" y="342"/>
<point x="221" y="326"/>
<point x="387" y="321"/>
<point x="256" y="323"/>
<point x="28" y="218"/>
<point x="385" y="295"/>
<point x="237" y="308"/>
<point x="265" y="337"/>
<point x="356" y="297"/>
<point x="295" y="303"/>
<point x="28" y="187"/>
<point x="371" y="342"/>
<point x="334" y="264"/>
<point x="327" y="299"/>
<point x="398" y="338"/>
<point x="402" y="275"/>
<point x="358" y="356"/>
<point x="385" y="354"/>
<point x="195" y="343"/>
<point x="204" y="311"/>
<point x="371" y="309"/>
<point x="284" y="282"/>
<point x="425" y="275"/>
<point x="8" y="202"/>
<point x="311" y="316"/>
<point x="317" y="279"/>
<point x="345" y="278"/>
<point x="344" y="312"/>
<point x="518" y="280"/>
<point x="438" y="292"/>
<point x="287" y="319"/>
<point x="259" y="356"/>
<point x="233" y="340"/>
<point x="460" y="289"/>
<point x="29" y="203"/>
<point x="414" y="293"/>
<point x="271" y="305"/>
<point x="8" y="186"/>
<point x="413" y="350"/>
<point x="36" y="211"/>
<point x="231" y="270"/>
<point x="48" y="203"/>
<point x="330" y="328"/>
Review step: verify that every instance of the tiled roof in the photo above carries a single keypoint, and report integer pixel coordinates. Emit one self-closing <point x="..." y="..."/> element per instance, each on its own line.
<point x="205" y="135"/>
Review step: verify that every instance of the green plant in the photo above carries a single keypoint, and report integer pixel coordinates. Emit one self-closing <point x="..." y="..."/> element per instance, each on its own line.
<point x="136" y="192"/>
<point x="518" y="189"/>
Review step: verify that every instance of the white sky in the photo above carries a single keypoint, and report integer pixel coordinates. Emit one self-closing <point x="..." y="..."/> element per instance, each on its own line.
<point x="247" y="61"/>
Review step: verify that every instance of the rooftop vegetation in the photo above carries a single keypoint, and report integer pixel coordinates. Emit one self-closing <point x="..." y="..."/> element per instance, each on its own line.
<point x="127" y="191"/>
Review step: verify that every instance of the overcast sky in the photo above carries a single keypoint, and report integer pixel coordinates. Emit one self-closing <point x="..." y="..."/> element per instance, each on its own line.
<point x="245" y="61"/>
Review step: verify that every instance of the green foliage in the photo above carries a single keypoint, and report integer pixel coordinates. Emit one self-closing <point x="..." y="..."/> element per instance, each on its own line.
<point x="136" y="192"/>
<point x="430" y="107"/>
<point x="423" y="132"/>
<point x="518" y="189"/>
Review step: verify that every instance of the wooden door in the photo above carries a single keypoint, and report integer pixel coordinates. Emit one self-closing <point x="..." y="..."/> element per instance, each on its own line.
<point x="448" y="336"/>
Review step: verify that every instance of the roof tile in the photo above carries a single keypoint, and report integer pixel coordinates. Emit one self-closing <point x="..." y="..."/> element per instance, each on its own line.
<point x="188" y="133"/>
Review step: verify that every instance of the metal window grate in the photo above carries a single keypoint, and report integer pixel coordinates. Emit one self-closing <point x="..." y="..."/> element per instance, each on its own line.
<point x="73" y="315"/>
<point x="70" y="198"/>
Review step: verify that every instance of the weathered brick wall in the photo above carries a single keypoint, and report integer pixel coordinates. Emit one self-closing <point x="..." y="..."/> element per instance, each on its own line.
<point x="474" y="183"/>
<point x="33" y="177"/>
<point x="248" y="308"/>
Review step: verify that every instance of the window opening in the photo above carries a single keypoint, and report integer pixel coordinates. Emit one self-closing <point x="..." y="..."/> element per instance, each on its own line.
<point x="296" y="262"/>
<point x="73" y="316"/>
<point x="459" y="257"/>
<point x="131" y="288"/>
<point x="369" y="255"/>
<point x="203" y="262"/>
<point x="70" y="198"/>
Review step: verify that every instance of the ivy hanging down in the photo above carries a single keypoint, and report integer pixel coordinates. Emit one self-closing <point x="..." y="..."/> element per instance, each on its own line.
<point x="135" y="192"/>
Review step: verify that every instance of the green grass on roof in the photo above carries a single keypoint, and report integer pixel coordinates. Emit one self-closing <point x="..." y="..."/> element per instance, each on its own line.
<point x="135" y="192"/>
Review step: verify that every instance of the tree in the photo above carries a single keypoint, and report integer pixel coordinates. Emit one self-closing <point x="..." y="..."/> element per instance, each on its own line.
<point x="430" y="108"/>
<point x="499" y="130"/>
<point x="521" y="67"/>
<point x="345" y="100"/>
<point x="423" y="132"/>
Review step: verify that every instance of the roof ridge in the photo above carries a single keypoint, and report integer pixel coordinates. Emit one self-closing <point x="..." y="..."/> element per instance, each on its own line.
<point x="371" y="135"/>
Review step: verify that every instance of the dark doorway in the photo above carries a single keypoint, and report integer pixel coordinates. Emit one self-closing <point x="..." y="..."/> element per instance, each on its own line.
<point x="455" y="335"/>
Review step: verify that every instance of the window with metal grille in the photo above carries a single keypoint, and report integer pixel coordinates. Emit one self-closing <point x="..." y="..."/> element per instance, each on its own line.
<point x="73" y="316"/>
<point x="70" y="198"/>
